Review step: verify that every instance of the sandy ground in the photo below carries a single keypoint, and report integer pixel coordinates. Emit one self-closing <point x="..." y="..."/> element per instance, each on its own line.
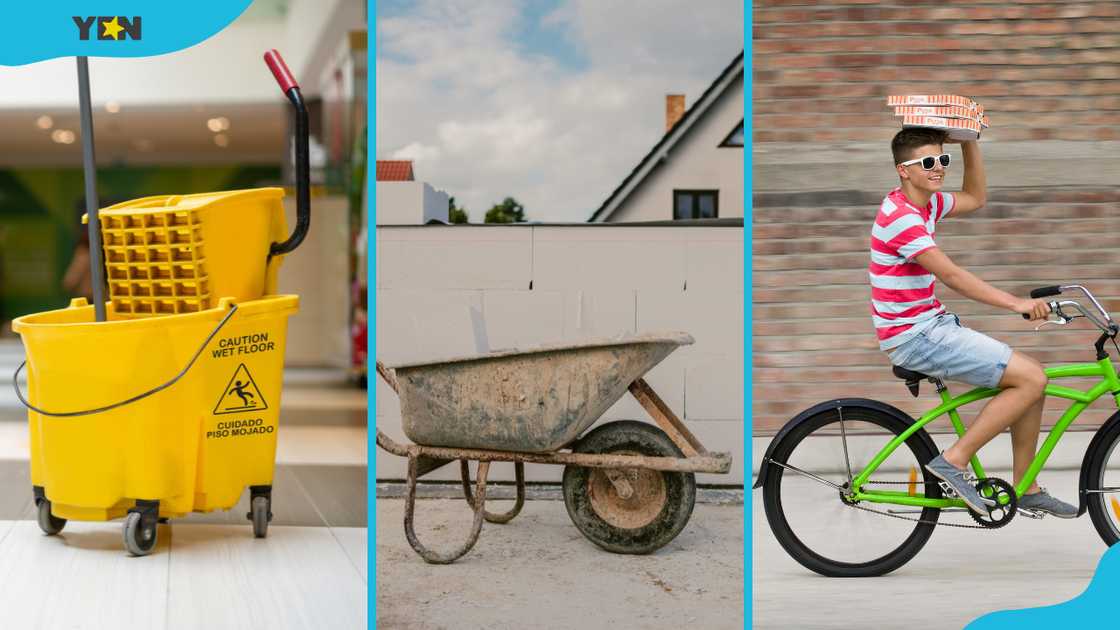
<point x="958" y="576"/>
<point x="539" y="572"/>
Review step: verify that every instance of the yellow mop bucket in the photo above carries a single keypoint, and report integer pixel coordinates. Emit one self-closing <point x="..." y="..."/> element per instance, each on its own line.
<point x="204" y="432"/>
<point x="165" y="398"/>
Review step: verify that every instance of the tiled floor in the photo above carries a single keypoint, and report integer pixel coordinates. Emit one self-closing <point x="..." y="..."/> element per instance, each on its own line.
<point x="207" y="570"/>
<point x="200" y="576"/>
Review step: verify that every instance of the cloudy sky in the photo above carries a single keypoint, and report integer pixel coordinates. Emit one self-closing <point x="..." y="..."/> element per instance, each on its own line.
<point x="549" y="101"/>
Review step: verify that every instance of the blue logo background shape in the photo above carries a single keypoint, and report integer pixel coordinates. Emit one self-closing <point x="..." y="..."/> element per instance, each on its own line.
<point x="1089" y="609"/>
<point x="45" y="30"/>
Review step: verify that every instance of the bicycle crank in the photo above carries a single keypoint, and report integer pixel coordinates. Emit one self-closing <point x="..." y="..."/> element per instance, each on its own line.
<point x="989" y="487"/>
<point x="1006" y="506"/>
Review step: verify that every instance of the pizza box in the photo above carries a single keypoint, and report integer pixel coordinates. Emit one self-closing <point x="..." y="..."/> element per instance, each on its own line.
<point x="934" y="99"/>
<point x="958" y="128"/>
<point x="942" y="111"/>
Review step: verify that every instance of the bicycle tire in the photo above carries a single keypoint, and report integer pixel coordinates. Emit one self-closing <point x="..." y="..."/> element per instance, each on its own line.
<point x="1099" y="503"/>
<point x="918" y="445"/>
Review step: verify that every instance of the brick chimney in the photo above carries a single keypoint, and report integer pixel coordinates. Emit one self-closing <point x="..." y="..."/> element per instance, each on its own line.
<point x="674" y="109"/>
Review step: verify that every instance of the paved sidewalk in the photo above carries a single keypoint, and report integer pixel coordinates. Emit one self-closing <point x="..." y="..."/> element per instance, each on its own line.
<point x="958" y="576"/>
<point x="539" y="572"/>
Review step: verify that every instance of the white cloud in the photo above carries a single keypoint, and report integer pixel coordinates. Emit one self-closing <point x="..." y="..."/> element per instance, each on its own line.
<point x="484" y="120"/>
<point x="417" y="152"/>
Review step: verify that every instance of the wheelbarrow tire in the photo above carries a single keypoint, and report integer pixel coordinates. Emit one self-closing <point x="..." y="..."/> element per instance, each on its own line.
<point x="649" y="519"/>
<point x="139" y="540"/>
<point x="49" y="523"/>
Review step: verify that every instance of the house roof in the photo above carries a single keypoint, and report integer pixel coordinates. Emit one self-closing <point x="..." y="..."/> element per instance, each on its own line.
<point x="394" y="170"/>
<point x="660" y="151"/>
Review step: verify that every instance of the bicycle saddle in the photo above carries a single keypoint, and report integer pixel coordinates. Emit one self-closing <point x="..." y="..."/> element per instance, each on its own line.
<point x="912" y="378"/>
<point x="908" y="375"/>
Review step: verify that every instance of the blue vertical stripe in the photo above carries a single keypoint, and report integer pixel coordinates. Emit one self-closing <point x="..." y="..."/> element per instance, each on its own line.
<point x="371" y="319"/>
<point x="748" y="342"/>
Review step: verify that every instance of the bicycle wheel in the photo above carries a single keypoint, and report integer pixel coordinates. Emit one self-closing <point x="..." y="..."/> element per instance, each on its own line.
<point x="1104" y="508"/>
<point x="811" y="521"/>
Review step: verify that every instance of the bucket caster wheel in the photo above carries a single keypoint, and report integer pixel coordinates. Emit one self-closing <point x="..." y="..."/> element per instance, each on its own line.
<point x="140" y="528"/>
<point x="260" y="509"/>
<point x="49" y="523"/>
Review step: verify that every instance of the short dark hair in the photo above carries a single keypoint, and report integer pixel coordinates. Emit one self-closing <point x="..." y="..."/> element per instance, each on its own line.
<point x="911" y="138"/>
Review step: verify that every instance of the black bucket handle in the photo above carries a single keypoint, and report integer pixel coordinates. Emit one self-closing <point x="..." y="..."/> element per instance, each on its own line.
<point x="138" y="397"/>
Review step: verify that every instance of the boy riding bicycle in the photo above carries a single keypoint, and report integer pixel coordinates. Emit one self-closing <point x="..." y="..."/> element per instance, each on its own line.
<point x="919" y="335"/>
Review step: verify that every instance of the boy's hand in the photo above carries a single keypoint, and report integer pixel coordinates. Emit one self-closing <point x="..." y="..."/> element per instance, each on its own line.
<point x="1035" y="309"/>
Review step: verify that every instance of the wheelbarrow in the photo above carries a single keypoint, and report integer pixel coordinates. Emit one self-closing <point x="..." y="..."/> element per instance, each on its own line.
<point x="628" y="486"/>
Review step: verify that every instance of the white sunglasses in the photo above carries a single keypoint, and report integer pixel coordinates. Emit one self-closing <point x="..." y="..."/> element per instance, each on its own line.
<point x="929" y="161"/>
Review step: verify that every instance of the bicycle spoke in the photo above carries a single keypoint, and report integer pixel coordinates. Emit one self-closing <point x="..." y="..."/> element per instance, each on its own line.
<point x="844" y="439"/>
<point x="809" y="475"/>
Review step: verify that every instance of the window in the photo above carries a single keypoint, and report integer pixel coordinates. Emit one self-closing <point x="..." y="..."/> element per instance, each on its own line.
<point x="695" y="204"/>
<point x="735" y="138"/>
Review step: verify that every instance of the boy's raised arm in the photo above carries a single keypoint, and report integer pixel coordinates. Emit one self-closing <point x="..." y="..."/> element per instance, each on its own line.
<point x="975" y="190"/>
<point x="964" y="282"/>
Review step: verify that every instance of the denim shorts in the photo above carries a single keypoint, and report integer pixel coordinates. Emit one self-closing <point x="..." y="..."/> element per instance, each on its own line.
<point x="949" y="351"/>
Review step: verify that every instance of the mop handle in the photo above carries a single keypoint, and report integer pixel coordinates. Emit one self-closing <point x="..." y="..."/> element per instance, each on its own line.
<point x="280" y="70"/>
<point x="303" y="161"/>
<point x="90" y="412"/>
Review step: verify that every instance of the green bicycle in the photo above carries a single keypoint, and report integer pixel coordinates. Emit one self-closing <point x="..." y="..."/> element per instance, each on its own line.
<point x="851" y="454"/>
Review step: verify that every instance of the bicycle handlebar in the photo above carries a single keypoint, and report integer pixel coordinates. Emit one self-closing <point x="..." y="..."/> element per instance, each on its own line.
<point x="1107" y="324"/>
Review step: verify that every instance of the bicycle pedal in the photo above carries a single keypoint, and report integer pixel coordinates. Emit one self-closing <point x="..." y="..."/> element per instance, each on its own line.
<point x="1029" y="513"/>
<point x="948" y="490"/>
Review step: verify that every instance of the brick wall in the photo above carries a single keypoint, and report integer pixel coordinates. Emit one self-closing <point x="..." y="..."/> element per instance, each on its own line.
<point x="1048" y="74"/>
<point x="1044" y="70"/>
<point x="813" y="337"/>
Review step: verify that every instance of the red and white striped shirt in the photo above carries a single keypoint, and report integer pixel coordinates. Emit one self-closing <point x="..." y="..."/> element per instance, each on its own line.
<point x="902" y="300"/>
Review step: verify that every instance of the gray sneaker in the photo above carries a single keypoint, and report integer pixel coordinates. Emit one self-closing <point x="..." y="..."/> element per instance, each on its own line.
<point x="1041" y="501"/>
<point x="956" y="479"/>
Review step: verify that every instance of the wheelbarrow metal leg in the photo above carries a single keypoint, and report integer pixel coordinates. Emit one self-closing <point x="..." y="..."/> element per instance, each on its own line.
<point x="429" y="555"/>
<point x="519" y="474"/>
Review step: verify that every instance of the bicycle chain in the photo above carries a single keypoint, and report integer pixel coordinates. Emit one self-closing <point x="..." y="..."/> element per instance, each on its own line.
<point x="907" y="518"/>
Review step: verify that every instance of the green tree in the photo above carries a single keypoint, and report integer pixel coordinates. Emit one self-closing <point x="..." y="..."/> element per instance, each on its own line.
<point x="455" y="214"/>
<point x="508" y="211"/>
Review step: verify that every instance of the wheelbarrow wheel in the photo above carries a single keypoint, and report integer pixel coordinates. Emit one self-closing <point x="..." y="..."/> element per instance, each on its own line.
<point x="633" y="510"/>
<point x="139" y="539"/>
<point x="49" y="523"/>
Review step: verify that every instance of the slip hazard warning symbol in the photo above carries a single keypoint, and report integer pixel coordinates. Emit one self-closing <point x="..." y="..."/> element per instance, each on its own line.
<point x="241" y="394"/>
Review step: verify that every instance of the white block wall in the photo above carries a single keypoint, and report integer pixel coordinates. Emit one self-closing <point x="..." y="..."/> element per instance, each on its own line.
<point x="410" y="203"/>
<point x="537" y="284"/>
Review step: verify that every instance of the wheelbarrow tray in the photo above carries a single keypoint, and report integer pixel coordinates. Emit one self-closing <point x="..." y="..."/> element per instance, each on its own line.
<point x="533" y="400"/>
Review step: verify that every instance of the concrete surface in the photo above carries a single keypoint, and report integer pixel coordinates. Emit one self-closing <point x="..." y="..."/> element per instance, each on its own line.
<point x="958" y="576"/>
<point x="539" y="572"/>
